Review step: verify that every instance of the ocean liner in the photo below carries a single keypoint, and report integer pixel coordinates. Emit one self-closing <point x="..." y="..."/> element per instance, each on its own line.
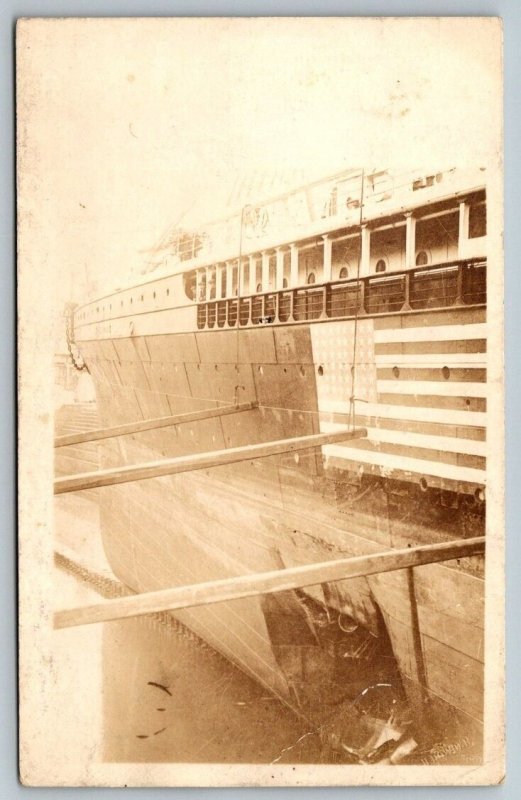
<point x="356" y="302"/>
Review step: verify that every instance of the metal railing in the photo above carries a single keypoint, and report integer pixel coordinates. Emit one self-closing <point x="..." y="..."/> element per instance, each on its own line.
<point x="455" y="283"/>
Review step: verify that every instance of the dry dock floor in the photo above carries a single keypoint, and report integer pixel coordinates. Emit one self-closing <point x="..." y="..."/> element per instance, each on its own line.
<point x="146" y="689"/>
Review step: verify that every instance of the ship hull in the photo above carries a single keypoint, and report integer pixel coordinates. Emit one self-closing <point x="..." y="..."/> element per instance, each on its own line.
<point x="287" y="510"/>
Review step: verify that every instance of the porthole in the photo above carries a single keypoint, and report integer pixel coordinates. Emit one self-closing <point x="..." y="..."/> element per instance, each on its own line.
<point x="259" y="287"/>
<point x="479" y="494"/>
<point x="422" y="259"/>
<point x="154" y="295"/>
<point x="167" y="292"/>
<point x="423" y="485"/>
<point x="446" y="373"/>
<point x="131" y="300"/>
<point x="142" y="298"/>
<point x="396" y="372"/>
<point x="302" y="371"/>
<point x="320" y="370"/>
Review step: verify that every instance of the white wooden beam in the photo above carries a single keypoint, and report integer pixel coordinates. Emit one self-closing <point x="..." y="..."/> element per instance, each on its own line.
<point x="215" y="458"/>
<point x="284" y="580"/>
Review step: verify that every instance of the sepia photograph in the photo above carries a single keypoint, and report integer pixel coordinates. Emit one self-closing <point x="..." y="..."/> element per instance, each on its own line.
<point x="261" y="401"/>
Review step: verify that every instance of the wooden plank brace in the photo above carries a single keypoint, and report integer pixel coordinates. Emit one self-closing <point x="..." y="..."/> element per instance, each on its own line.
<point x="267" y="582"/>
<point x="151" y="424"/>
<point x="213" y="458"/>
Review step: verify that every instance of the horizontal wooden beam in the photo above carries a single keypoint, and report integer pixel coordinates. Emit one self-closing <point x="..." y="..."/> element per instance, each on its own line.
<point x="151" y="424"/>
<point x="284" y="580"/>
<point x="214" y="458"/>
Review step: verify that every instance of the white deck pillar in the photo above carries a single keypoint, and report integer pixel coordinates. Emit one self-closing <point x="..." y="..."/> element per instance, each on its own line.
<point x="328" y="246"/>
<point x="365" y="257"/>
<point x="463" y="229"/>
<point x="410" y="240"/>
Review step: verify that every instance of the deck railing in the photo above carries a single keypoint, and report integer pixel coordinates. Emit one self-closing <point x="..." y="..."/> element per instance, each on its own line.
<point x="454" y="283"/>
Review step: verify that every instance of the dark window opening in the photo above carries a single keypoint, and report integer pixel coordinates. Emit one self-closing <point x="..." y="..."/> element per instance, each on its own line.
<point x="477" y="221"/>
<point x="259" y="287"/>
<point x="423" y="183"/>
<point x="381" y="266"/>
<point x="422" y="259"/>
<point x="189" y="284"/>
<point x="343" y="273"/>
<point x="187" y="245"/>
<point x="311" y="277"/>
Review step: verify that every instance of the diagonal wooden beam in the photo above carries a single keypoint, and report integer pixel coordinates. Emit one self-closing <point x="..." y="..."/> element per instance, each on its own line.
<point x="201" y="594"/>
<point x="214" y="458"/>
<point x="151" y="424"/>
